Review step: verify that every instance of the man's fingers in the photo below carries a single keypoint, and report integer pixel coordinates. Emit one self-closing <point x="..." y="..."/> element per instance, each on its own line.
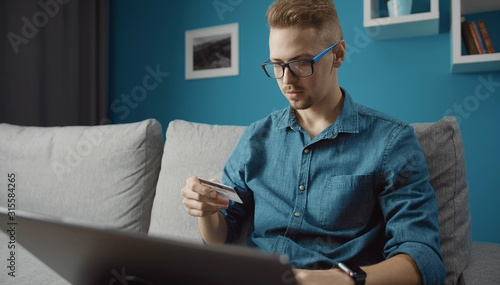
<point x="212" y="197"/>
<point x="194" y="184"/>
<point x="204" y="206"/>
<point x="215" y="180"/>
<point x="202" y="209"/>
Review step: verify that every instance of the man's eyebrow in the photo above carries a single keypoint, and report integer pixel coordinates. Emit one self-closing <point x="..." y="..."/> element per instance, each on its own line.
<point x="300" y="56"/>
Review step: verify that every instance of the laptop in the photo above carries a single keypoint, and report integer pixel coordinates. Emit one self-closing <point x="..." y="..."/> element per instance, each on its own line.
<point x="84" y="254"/>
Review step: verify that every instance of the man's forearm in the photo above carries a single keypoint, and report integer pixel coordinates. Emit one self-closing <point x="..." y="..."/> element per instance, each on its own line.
<point x="213" y="229"/>
<point x="400" y="269"/>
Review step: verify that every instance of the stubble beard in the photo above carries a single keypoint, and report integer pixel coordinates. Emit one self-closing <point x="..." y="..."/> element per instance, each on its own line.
<point x="301" y="104"/>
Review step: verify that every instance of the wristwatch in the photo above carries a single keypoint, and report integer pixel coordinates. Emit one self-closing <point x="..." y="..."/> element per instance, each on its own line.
<point x="356" y="273"/>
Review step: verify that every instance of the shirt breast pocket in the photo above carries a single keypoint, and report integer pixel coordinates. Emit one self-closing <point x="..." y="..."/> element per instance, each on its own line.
<point x="347" y="202"/>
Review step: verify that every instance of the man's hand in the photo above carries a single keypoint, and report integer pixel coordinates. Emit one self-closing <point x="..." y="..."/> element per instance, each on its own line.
<point x="201" y="201"/>
<point x="322" y="277"/>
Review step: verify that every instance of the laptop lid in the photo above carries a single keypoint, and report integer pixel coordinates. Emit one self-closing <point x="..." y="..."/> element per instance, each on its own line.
<point x="84" y="254"/>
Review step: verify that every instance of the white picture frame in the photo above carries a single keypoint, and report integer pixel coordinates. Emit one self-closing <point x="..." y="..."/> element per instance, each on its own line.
<point x="212" y="52"/>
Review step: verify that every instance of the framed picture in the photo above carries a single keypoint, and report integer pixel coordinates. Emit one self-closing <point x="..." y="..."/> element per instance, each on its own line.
<point x="212" y="52"/>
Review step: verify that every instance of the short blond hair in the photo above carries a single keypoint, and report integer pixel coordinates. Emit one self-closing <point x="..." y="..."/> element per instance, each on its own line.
<point x="318" y="14"/>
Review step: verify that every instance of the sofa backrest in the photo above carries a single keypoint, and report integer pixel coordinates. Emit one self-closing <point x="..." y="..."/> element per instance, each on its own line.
<point x="201" y="150"/>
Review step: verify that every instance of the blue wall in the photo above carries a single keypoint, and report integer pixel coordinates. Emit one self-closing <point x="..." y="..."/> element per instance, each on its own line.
<point x="406" y="78"/>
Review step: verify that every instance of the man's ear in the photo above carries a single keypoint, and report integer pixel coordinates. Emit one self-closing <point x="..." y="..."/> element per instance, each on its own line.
<point x="339" y="54"/>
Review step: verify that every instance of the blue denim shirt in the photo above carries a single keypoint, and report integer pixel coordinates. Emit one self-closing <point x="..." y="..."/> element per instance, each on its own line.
<point x="359" y="192"/>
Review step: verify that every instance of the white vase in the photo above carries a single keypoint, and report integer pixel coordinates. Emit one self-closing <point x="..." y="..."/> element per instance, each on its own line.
<point x="399" y="7"/>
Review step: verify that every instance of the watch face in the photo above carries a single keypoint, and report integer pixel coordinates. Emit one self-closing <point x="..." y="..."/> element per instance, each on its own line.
<point x="359" y="273"/>
<point x="354" y="271"/>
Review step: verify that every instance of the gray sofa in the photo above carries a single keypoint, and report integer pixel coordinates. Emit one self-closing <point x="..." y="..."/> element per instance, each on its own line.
<point x="127" y="177"/>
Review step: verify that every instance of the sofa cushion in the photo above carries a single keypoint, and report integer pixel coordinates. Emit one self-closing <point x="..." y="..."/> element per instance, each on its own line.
<point x="104" y="175"/>
<point x="442" y="145"/>
<point x="483" y="267"/>
<point x="191" y="149"/>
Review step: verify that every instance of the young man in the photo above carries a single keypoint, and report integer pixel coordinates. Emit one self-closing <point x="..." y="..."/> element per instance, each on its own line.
<point x="327" y="180"/>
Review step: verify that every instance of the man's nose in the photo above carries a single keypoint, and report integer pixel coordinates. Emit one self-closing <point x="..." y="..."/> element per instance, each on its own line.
<point x="288" y="77"/>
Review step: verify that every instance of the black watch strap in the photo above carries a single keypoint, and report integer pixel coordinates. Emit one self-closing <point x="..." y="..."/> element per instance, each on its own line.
<point x="356" y="273"/>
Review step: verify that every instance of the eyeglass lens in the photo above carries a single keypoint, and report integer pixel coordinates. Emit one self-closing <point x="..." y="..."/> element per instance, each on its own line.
<point x="298" y="68"/>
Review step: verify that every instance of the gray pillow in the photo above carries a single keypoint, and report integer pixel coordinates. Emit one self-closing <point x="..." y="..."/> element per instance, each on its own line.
<point x="191" y="149"/>
<point x="103" y="175"/>
<point x="443" y="149"/>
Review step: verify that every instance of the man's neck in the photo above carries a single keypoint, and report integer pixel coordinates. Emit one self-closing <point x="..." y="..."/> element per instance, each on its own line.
<point x="317" y="118"/>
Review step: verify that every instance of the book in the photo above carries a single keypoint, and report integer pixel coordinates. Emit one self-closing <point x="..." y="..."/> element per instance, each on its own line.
<point x="475" y="36"/>
<point x="468" y="39"/>
<point x="481" y="45"/>
<point x="486" y="36"/>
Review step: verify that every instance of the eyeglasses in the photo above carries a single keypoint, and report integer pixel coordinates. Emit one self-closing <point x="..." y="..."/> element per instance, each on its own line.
<point x="298" y="67"/>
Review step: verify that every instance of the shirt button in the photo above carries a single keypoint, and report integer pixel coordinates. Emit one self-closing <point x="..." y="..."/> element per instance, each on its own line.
<point x="306" y="151"/>
<point x="297" y="214"/>
<point x="302" y="188"/>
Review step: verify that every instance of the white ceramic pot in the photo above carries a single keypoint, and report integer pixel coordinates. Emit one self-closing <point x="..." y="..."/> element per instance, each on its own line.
<point x="399" y="7"/>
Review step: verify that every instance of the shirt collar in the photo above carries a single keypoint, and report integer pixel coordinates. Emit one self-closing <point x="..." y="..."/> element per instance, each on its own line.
<point x="347" y="121"/>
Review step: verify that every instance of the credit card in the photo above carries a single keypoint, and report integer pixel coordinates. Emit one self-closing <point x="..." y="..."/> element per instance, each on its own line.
<point x="223" y="190"/>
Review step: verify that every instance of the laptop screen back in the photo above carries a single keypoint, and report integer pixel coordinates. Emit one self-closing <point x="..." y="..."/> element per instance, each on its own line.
<point x="84" y="254"/>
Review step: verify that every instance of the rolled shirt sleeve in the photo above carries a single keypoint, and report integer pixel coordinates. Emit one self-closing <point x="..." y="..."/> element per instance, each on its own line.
<point x="409" y="206"/>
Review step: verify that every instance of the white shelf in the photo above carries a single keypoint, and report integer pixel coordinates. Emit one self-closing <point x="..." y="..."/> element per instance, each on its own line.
<point x="477" y="6"/>
<point x="413" y="25"/>
<point x="470" y="63"/>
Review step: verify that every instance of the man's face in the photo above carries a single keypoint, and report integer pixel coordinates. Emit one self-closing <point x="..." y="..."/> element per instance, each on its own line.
<point x="286" y="44"/>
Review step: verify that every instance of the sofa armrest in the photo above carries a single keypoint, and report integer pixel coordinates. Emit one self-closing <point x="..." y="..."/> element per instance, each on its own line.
<point x="484" y="265"/>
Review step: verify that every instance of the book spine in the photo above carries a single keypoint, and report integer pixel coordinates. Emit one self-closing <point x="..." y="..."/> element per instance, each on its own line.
<point x="486" y="37"/>
<point x="470" y="46"/>
<point x="476" y="38"/>
<point x="479" y="37"/>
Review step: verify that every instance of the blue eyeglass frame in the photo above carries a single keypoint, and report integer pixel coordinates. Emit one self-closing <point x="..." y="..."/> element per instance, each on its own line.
<point x="287" y="64"/>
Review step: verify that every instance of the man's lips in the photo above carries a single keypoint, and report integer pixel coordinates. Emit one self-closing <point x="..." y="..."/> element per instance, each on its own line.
<point x="293" y="93"/>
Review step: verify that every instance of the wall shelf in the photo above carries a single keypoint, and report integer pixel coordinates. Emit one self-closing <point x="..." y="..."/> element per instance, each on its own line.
<point x="462" y="63"/>
<point x="413" y="25"/>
